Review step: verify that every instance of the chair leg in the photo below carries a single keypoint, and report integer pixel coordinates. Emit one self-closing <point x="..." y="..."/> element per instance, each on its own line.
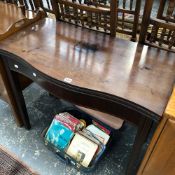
<point x="145" y="20"/>
<point x="136" y="20"/>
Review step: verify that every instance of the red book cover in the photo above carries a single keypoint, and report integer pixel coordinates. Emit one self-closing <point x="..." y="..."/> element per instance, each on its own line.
<point x="101" y="127"/>
<point x="69" y="121"/>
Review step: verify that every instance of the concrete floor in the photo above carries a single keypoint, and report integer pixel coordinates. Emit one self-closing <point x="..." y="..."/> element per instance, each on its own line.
<point x="29" y="146"/>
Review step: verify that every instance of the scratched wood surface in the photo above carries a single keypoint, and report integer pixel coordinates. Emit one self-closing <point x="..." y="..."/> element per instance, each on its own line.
<point x="95" y="61"/>
<point x="9" y="14"/>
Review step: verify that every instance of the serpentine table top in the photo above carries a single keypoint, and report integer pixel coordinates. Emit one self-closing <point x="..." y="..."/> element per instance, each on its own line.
<point x="139" y="74"/>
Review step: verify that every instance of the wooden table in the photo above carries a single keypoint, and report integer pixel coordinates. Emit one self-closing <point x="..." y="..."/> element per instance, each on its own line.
<point x="93" y="70"/>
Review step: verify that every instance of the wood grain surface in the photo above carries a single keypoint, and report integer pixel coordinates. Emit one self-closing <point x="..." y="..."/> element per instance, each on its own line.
<point x="112" y="121"/>
<point x="170" y="109"/>
<point x="161" y="161"/>
<point x="9" y="14"/>
<point x="95" y="61"/>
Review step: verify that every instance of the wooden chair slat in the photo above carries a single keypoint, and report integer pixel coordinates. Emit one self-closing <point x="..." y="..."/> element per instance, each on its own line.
<point x="159" y="32"/>
<point x="96" y="13"/>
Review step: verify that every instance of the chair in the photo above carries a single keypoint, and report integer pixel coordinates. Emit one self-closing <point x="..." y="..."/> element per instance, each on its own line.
<point x="30" y="5"/>
<point x="25" y="5"/>
<point x="128" y="17"/>
<point x="160" y="31"/>
<point x="101" y="15"/>
<point x="46" y="6"/>
<point x="33" y="5"/>
<point x="90" y="14"/>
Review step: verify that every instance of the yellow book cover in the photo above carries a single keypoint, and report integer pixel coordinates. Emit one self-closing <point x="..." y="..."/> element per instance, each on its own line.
<point x="82" y="149"/>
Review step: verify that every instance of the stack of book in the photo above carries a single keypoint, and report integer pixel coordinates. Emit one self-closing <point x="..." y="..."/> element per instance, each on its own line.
<point x="83" y="144"/>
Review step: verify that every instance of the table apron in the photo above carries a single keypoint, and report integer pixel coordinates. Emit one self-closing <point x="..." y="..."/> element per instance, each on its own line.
<point x="96" y="100"/>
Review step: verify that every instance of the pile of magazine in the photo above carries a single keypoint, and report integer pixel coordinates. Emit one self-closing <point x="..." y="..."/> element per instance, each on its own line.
<point x="85" y="144"/>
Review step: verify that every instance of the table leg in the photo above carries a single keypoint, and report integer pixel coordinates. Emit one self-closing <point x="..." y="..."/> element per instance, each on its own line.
<point x="14" y="91"/>
<point x="141" y="137"/>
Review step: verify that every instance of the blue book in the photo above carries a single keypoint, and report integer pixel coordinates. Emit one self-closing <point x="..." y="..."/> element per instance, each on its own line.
<point x="59" y="135"/>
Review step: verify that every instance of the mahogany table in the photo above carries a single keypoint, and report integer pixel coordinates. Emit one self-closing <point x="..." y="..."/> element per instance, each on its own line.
<point x="93" y="70"/>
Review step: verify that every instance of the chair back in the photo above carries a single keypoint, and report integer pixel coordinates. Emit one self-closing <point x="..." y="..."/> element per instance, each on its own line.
<point x="167" y="10"/>
<point x="47" y="6"/>
<point x="31" y="5"/>
<point x="159" y="31"/>
<point x="128" y="17"/>
<point x="86" y="13"/>
<point x="101" y="15"/>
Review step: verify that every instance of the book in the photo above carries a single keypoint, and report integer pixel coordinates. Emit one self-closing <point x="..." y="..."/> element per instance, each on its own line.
<point x="91" y="136"/>
<point x="101" y="127"/>
<point x="69" y="121"/>
<point x="59" y="135"/>
<point x="82" y="149"/>
<point x="98" y="133"/>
